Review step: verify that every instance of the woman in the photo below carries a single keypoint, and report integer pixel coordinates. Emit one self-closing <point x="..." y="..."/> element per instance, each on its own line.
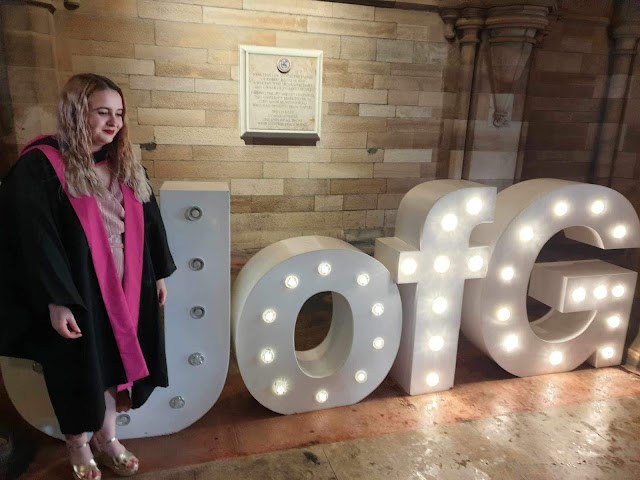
<point x="81" y="281"/>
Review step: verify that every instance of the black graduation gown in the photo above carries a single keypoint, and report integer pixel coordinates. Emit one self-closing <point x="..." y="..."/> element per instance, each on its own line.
<point x="44" y="259"/>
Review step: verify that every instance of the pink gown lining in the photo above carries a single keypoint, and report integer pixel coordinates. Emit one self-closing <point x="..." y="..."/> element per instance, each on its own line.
<point x="121" y="295"/>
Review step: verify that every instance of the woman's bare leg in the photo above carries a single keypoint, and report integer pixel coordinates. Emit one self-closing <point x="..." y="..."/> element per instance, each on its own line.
<point x="108" y="430"/>
<point x="121" y="461"/>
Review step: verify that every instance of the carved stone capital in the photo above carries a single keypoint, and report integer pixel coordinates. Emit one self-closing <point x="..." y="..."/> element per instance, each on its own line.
<point x="449" y="17"/>
<point x="512" y="23"/>
<point x="516" y="23"/>
<point x="512" y="33"/>
<point x="625" y="27"/>
<point x="469" y="25"/>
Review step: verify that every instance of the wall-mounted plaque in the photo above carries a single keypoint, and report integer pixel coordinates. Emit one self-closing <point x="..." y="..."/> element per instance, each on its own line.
<point x="280" y="92"/>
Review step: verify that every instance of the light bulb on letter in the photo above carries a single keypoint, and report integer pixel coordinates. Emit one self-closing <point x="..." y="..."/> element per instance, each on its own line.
<point x="361" y="376"/>
<point x="269" y="316"/>
<point x="280" y="387"/>
<point x="613" y="321"/>
<point x="267" y="355"/>
<point x="607" y="352"/>
<point x="409" y="266"/>
<point x="291" y="281"/>
<point x="433" y="379"/>
<point x="579" y="294"/>
<point x="322" y="396"/>
<point x="474" y="206"/>
<point x="526" y="234"/>
<point x="324" y="269"/>
<point x="597" y="207"/>
<point x="600" y="292"/>
<point x="620" y="231"/>
<point x="449" y="222"/>
<point x="377" y="309"/>
<point x="507" y="274"/>
<point x="561" y="209"/>
<point x="510" y="343"/>
<point x="475" y="263"/>
<point x="441" y="264"/>
<point x="436" y="343"/>
<point x="556" y="358"/>
<point x="617" y="291"/>
<point x="504" y="314"/>
<point x="439" y="305"/>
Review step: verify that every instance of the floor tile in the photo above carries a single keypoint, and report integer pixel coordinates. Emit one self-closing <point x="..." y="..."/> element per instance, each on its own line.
<point x="573" y="472"/>
<point x="297" y="464"/>
<point x="448" y="452"/>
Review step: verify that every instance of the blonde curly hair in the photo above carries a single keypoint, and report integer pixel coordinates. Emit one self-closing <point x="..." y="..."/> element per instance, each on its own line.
<point x="74" y="138"/>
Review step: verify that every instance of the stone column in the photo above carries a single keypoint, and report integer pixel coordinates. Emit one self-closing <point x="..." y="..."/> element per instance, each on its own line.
<point x="499" y="93"/>
<point x="30" y="87"/>
<point x="625" y="48"/>
<point x="491" y="87"/>
<point x="512" y="33"/>
<point x="468" y="24"/>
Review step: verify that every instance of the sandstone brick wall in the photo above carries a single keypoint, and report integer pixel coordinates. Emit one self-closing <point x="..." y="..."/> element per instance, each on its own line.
<point x="390" y="118"/>
<point x="567" y="99"/>
<point x="385" y="101"/>
<point x="29" y="91"/>
<point x="626" y="171"/>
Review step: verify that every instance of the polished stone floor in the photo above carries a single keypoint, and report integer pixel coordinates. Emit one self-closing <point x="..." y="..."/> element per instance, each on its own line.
<point x="583" y="424"/>
<point x="593" y="440"/>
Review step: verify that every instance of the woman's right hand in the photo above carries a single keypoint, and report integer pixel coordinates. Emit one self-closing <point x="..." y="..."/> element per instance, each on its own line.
<point x="63" y="321"/>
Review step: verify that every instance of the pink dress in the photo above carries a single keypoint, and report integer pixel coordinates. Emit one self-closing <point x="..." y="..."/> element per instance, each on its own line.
<point x="111" y="207"/>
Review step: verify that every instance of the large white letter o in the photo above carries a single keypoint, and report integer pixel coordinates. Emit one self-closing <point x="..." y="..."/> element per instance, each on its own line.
<point x="363" y="339"/>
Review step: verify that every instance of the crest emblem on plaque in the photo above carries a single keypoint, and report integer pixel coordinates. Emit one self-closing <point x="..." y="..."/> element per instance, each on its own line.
<point x="284" y="65"/>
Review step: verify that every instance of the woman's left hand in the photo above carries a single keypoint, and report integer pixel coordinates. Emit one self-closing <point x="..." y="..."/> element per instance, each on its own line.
<point x="162" y="291"/>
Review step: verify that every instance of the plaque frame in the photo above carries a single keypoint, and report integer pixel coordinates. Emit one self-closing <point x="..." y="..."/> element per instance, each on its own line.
<point x="244" y="104"/>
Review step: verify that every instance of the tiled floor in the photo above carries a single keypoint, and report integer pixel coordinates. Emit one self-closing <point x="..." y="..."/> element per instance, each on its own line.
<point x="583" y="424"/>
<point x="594" y="440"/>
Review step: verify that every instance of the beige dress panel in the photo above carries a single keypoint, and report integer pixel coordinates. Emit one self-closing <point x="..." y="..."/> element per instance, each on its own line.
<point x="111" y="206"/>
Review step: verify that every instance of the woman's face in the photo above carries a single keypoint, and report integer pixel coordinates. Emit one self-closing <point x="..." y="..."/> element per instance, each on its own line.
<point x="105" y="117"/>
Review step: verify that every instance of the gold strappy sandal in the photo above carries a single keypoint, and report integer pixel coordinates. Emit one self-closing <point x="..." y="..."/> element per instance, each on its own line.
<point x="88" y="471"/>
<point x="124" y="465"/>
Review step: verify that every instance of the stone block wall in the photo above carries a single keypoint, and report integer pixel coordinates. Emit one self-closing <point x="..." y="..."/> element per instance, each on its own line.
<point x="401" y="103"/>
<point x="386" y="105"/>
<point x="29" y="83"/>
<point x="626" y="169"/>
<point x="567" y="98"/>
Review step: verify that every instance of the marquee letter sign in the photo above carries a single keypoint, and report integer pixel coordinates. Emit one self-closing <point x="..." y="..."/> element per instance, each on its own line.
<point x="430" y="258"/>
<point x="446" y="234"/>
<point x="590" y="301"/>
<point x="362" y="341"/>
<point x="196" y="217"/>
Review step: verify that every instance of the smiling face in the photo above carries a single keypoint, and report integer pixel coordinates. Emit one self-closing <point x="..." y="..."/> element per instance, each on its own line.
<point x="105" y="117"/>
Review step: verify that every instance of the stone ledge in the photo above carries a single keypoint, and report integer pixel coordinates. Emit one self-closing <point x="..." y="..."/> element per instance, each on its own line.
<point x="439" y="4"/>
